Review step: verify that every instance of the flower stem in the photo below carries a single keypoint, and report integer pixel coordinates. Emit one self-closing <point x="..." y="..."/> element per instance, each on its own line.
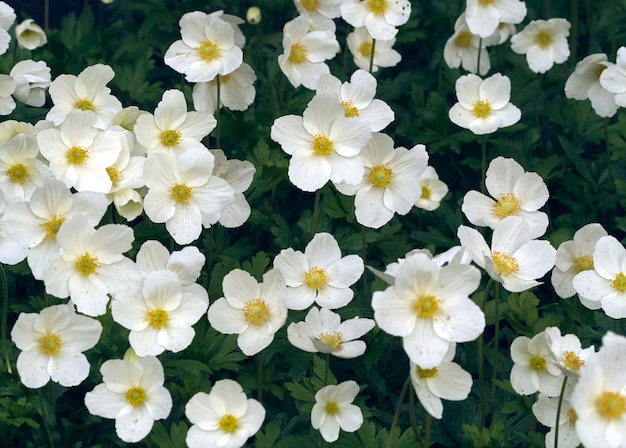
<point x="558" y="413"/>
<point x="480" y="354"/>
<point x="259" y="379"/>
<point x="5" y="312"/>
<point x="483" y="187"/>
<point x="44" y="417"/>
<point x="326" y="367"/>
<point x="364" y="294"/>
<point x="413" y="420"/>
<point x="372" y="55"/>
<point x="480" y="48"/>
<point x="427" y="425"/>
<point x="496" y="337"/>
<point x="396" y="416"/>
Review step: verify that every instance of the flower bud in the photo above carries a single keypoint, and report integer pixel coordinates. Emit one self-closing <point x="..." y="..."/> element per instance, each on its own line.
<point x="253" y="16"/>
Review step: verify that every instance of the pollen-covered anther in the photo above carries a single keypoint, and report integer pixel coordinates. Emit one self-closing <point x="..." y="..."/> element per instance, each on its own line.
<point x="256" y="312"/>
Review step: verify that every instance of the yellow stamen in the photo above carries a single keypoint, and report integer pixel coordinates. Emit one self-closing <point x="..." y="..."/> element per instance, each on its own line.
<point x="538" y="363"/>
<point x="256" y="312"/>
<point x="84" y="104"/>
<point x="310" y="5"/>
<point x="315" y="278"/>
<point x="135" y="396"/>
<point x="366" y="49"/>
<point x="297" y="54"/>
<point x="464" y="39"/>
<point x="572" y="361"/>
<point x="619" y="282"/>
<point x="378" y="7"/>
<point x="171" y="138"/>
<point x="543" y="39"/>
<point x="425" y="192"/>
<point x="77" y="155"/>
<point x="426" y="373"/>
<point x="114" y="174"/>
<point x="87" y="265"/>
<point x="482" y="109"/>
<point x="611" y="405"/>
<point x="208" y="51"/>
<point x="332" y="408"/>
<point x="507" y="205"/>
<point x="380" y="176"/>
<point x="322" y="146"/>
<point x="426" y="307"/>
<point x="583" y="263"/>
<point x="228" y="423"/>
<point x="504" y="264"/>
<point x="333" y="340"/>
<point x="157" y="318"/>
<point x="50" y="344"/>
<point x="18" y="173"/>
<point x="350" y="110"/>
<point x="52" y="227"/>
<point x="181" y="193"/>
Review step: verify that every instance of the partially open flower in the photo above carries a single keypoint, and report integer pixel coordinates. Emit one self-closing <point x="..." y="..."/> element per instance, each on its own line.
<point x="29" y="35"/>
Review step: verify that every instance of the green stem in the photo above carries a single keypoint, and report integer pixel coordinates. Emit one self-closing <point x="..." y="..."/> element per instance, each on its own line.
<point x="316" y="212"/>
<point x="217" y="113"/>
<point x="574" y="31"/>
<point x="480" y="49"/>
<point x="372" y="55"/>
<point x="326" y="368"/>
<point x="364" y="294"/>
<point x="259" y="380"/>
<point x="413" y="420"/>
<point x="5" y="312"/>
<point x="46" y="16"/>
<point x="396" y="416"/>
<point x="480" y="355"/>
<point x="44" y="417"/>
<point x="427" y="425"/>
<point x="558" y="413"/>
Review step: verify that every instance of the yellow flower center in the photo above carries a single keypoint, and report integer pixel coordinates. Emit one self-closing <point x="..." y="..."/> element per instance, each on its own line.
<point x="485" y="2"/>
<point x="599" y="69"/>
<point x="380" y="176"/>
<point x="572" y="361"/>
<point x="619" y="282"/>
<point x="332" y="408"/>
<point x="349" y="109"/>
<point x="426" y="307"/>
<point x="171" y="138"/>
<point x="50" y="344"/>
<point x="84" y="104"/>
<point x="224" y="79"/>
<point x="315" y="278"/>
<point x="135" y="396"/>
<point x="114" y="174"/>
<point x="18" y="173"/>
<point x="310" y="5"/>
<point x="208" y="51"/>
<point x="611" y="405"/>
<point x="378" y="7"/>
<point x="543" y="39"/>
<point x="87" y="265"/>
<point x="426" y="373"/>
<point x="572" y="417"/>
<point x="181" y="193"/>
<point x="52" y="227"/>
<point x="504" y="264"/>
<point x="297" y="54"/>
<point x="77" y="155"/>
<point x="256" y="312"/>
<point x="464" y="39"/>
<point x="333" y="340"/>
<point x="228" y="423"/>
<point x="322" y="146"/>
<point x="425" y="192"/>
<point x="366" y="49"/>
<point x="482" y="109"/>
<point x="157" y="318"/>
<point x="507" y="205"/>
<point x="583" y="263"/>
<point x="538" y="363"/>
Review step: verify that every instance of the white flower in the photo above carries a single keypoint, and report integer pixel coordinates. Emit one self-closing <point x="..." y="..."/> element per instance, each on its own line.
<point x="21" y="170"/>
<point x="432" y="189"/>
<point x="333" y="410"/>
<point x="11" y="251"/>
<point x="585" y="83"/>
<point x="85" y="92"/>
<point x="91" y="266"/>
<point x="606" y="282"/>
<point x="567" y="351"/>
<point x="207" y="48"/>
<point x="319" y="12"/>
<point x="160" y="315"/>
<point x="29" y="35"/>
<point x="429" y="307"/>
<point x="446" y="380"/>
<point x="613" y="78"/>
<point x="305" y="52"/>
<point x="132" y="393"/>
<point x="573" y="257"/>
<point x="544" y="42"/>
<point x="254" y="311"/>
<point x="324" y="144"/>
<point x="7" y="17"/>
<point x="236" y="91"/>
<point x="360" y="44"/>
<point x="31" y="80"/>
<point x="517" y="193"/>
<point x="545" y="410"/>
<point x="79" y="153"/>
<point x="380" y="17"/>
<point x="183" y="193"/>
<point x="224" y="418"/>
<point x="463" y="47"/>
<point x="172" y="129"/>
<point x="126" y="176"/>
<point x="239" y="175"/>
<point x="514" y="259"/>
<point x="599" y="398"/>
<point x="320" y="274"/>
<point x="483" y="17"/>
<point x="323" y="331"/>
<point x="534" y="369"/>
<point x="388" y="184"/>
<point x="185" y="263"/>
<point x="51" y="345"/>
<point x="7" y="88"/>
<point x="484" y="106"/>
<point x="357" y="98"/>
